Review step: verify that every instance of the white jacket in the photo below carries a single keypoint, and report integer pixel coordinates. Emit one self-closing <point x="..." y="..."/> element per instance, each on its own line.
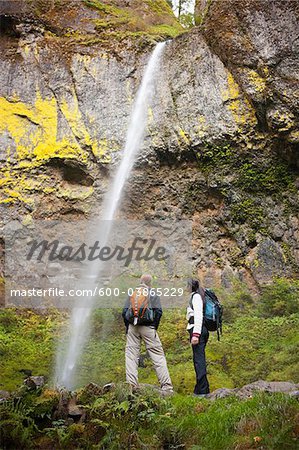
<point x="196" y="312"/>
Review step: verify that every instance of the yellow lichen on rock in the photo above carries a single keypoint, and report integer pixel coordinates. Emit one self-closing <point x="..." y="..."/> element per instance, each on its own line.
<point x="33" y="128"/>
<point x="258" y="83"/>
<point x="202" y="126"/>
<point x="103" y="149"/>
<point x="75" y="193"/>
<point x="18" y="186"/>
<point x="183" y="138"/>
<point x="150" y="116"/>
<point x="27" y="220"/>
<point x="11" y="196"/>
<point x="10" y="188"/>
<point x="71" y="111"/>
<point x="242" y="111"/>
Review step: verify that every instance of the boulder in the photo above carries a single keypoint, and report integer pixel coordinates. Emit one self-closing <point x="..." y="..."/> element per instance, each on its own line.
<point x="108" y="387"/>
<point x="294" y="394"/>
<point x="249" y="390"/>
<point x="74" y="411"/>
<point x="93" y="389"/>
<point x="26" y="372"/>
<point x="4" y="395"/>
<point x="266" y="386"/>
<point x="35" y="382"/>
<point x="221" y="393"/>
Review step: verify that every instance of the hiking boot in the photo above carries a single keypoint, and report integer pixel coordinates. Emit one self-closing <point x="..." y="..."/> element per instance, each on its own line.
<point x="166" y="392"/>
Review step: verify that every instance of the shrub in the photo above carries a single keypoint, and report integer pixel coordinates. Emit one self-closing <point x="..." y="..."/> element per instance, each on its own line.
<point x="280" y="298"/>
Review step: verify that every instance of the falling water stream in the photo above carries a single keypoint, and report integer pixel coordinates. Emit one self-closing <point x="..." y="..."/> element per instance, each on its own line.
<point x="79" y="325"/>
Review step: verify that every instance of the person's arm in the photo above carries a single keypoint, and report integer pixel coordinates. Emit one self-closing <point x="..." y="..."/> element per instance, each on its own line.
<point x="197" y="303"/>
<point x="157" y="308"/>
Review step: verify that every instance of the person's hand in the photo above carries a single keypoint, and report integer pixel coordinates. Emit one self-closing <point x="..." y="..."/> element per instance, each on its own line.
<point x="194" y="340"/>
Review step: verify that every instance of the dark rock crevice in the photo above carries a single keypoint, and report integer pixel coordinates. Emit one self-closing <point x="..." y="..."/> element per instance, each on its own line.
<point x="8" y="26"/>
<point x="72" y="172"/>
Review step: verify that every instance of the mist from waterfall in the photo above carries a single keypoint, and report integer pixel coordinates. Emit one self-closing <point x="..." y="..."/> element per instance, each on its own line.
<point x="79" y="325"/>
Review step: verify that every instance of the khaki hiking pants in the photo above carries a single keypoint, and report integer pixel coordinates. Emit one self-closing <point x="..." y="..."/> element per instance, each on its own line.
<point x="154" y="348"/>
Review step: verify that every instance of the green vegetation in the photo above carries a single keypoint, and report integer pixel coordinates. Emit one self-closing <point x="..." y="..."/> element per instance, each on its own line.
<point x="161" y="7"/>
<point x="255" y="348"/>
<point x="251" y="178"/>
<point x="27" y="341"/>
<point x="280" y="299"/>
<point x="166" y="31"/>
<point x="260" y="340"/>
<point x="150" y="18"/>
<point x="238" y="301"/>
<point x="269" y="179"/>
<point x="184" y="10"/>
<point x="254" y="174"/>
<point x="220" y="156"/>
<point x="122" y="419"/>
<point x="250" y="211"/>
<point x="142" y="23"/>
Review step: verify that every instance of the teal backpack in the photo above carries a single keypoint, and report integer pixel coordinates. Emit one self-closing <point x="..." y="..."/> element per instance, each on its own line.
<point x="212" y="312"/>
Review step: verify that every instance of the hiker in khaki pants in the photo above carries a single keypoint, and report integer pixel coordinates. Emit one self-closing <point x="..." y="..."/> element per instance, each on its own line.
<point x="142" y="314"/>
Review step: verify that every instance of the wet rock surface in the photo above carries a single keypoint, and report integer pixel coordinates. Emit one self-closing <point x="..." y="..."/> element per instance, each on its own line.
<point x="221" y="147"/>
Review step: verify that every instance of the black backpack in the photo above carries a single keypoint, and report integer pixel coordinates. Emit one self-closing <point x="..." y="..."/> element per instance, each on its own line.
<point x="212" y="312"/>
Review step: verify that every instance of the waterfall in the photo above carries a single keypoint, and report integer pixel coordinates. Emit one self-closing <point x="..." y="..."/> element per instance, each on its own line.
<point x="79" y="322"/>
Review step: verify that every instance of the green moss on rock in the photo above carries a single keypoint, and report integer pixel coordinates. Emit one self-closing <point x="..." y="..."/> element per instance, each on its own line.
<point x="249" y="211"/>
<point x="271" y="179"/>
<point x="219" y="155"/>
<point x="153" y="18"/>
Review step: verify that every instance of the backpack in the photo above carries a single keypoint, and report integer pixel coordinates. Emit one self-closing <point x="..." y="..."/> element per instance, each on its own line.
<point x="212" y="312"/>
<point x="139" y="311"/>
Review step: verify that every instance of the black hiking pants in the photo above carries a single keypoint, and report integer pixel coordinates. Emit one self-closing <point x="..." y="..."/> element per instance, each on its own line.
<point x="199" y="360"/>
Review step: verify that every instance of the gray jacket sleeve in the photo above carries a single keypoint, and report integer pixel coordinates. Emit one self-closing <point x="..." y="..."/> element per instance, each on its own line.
<point x="125" y="309"/>
<point x="157" y="308"/>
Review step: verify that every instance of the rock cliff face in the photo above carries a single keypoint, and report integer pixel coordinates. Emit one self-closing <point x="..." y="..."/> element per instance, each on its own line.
<point x="222" y="141"/>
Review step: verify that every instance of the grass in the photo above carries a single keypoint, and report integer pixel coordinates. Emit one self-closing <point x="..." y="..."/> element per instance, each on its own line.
<point x="27" y="341"/>
<point x="122" y="419"/>
<point x="260" y="341"/>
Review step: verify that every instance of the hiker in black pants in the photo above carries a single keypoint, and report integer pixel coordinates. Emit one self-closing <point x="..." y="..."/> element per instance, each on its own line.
<point x="199" y="336"/>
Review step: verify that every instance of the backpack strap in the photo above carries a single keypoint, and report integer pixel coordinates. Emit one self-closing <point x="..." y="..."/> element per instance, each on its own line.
<point x="191" y="300"/>
<point x="218" y="334"/>
<point x="219" y="325"/>
<point x="203" y="296"/>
